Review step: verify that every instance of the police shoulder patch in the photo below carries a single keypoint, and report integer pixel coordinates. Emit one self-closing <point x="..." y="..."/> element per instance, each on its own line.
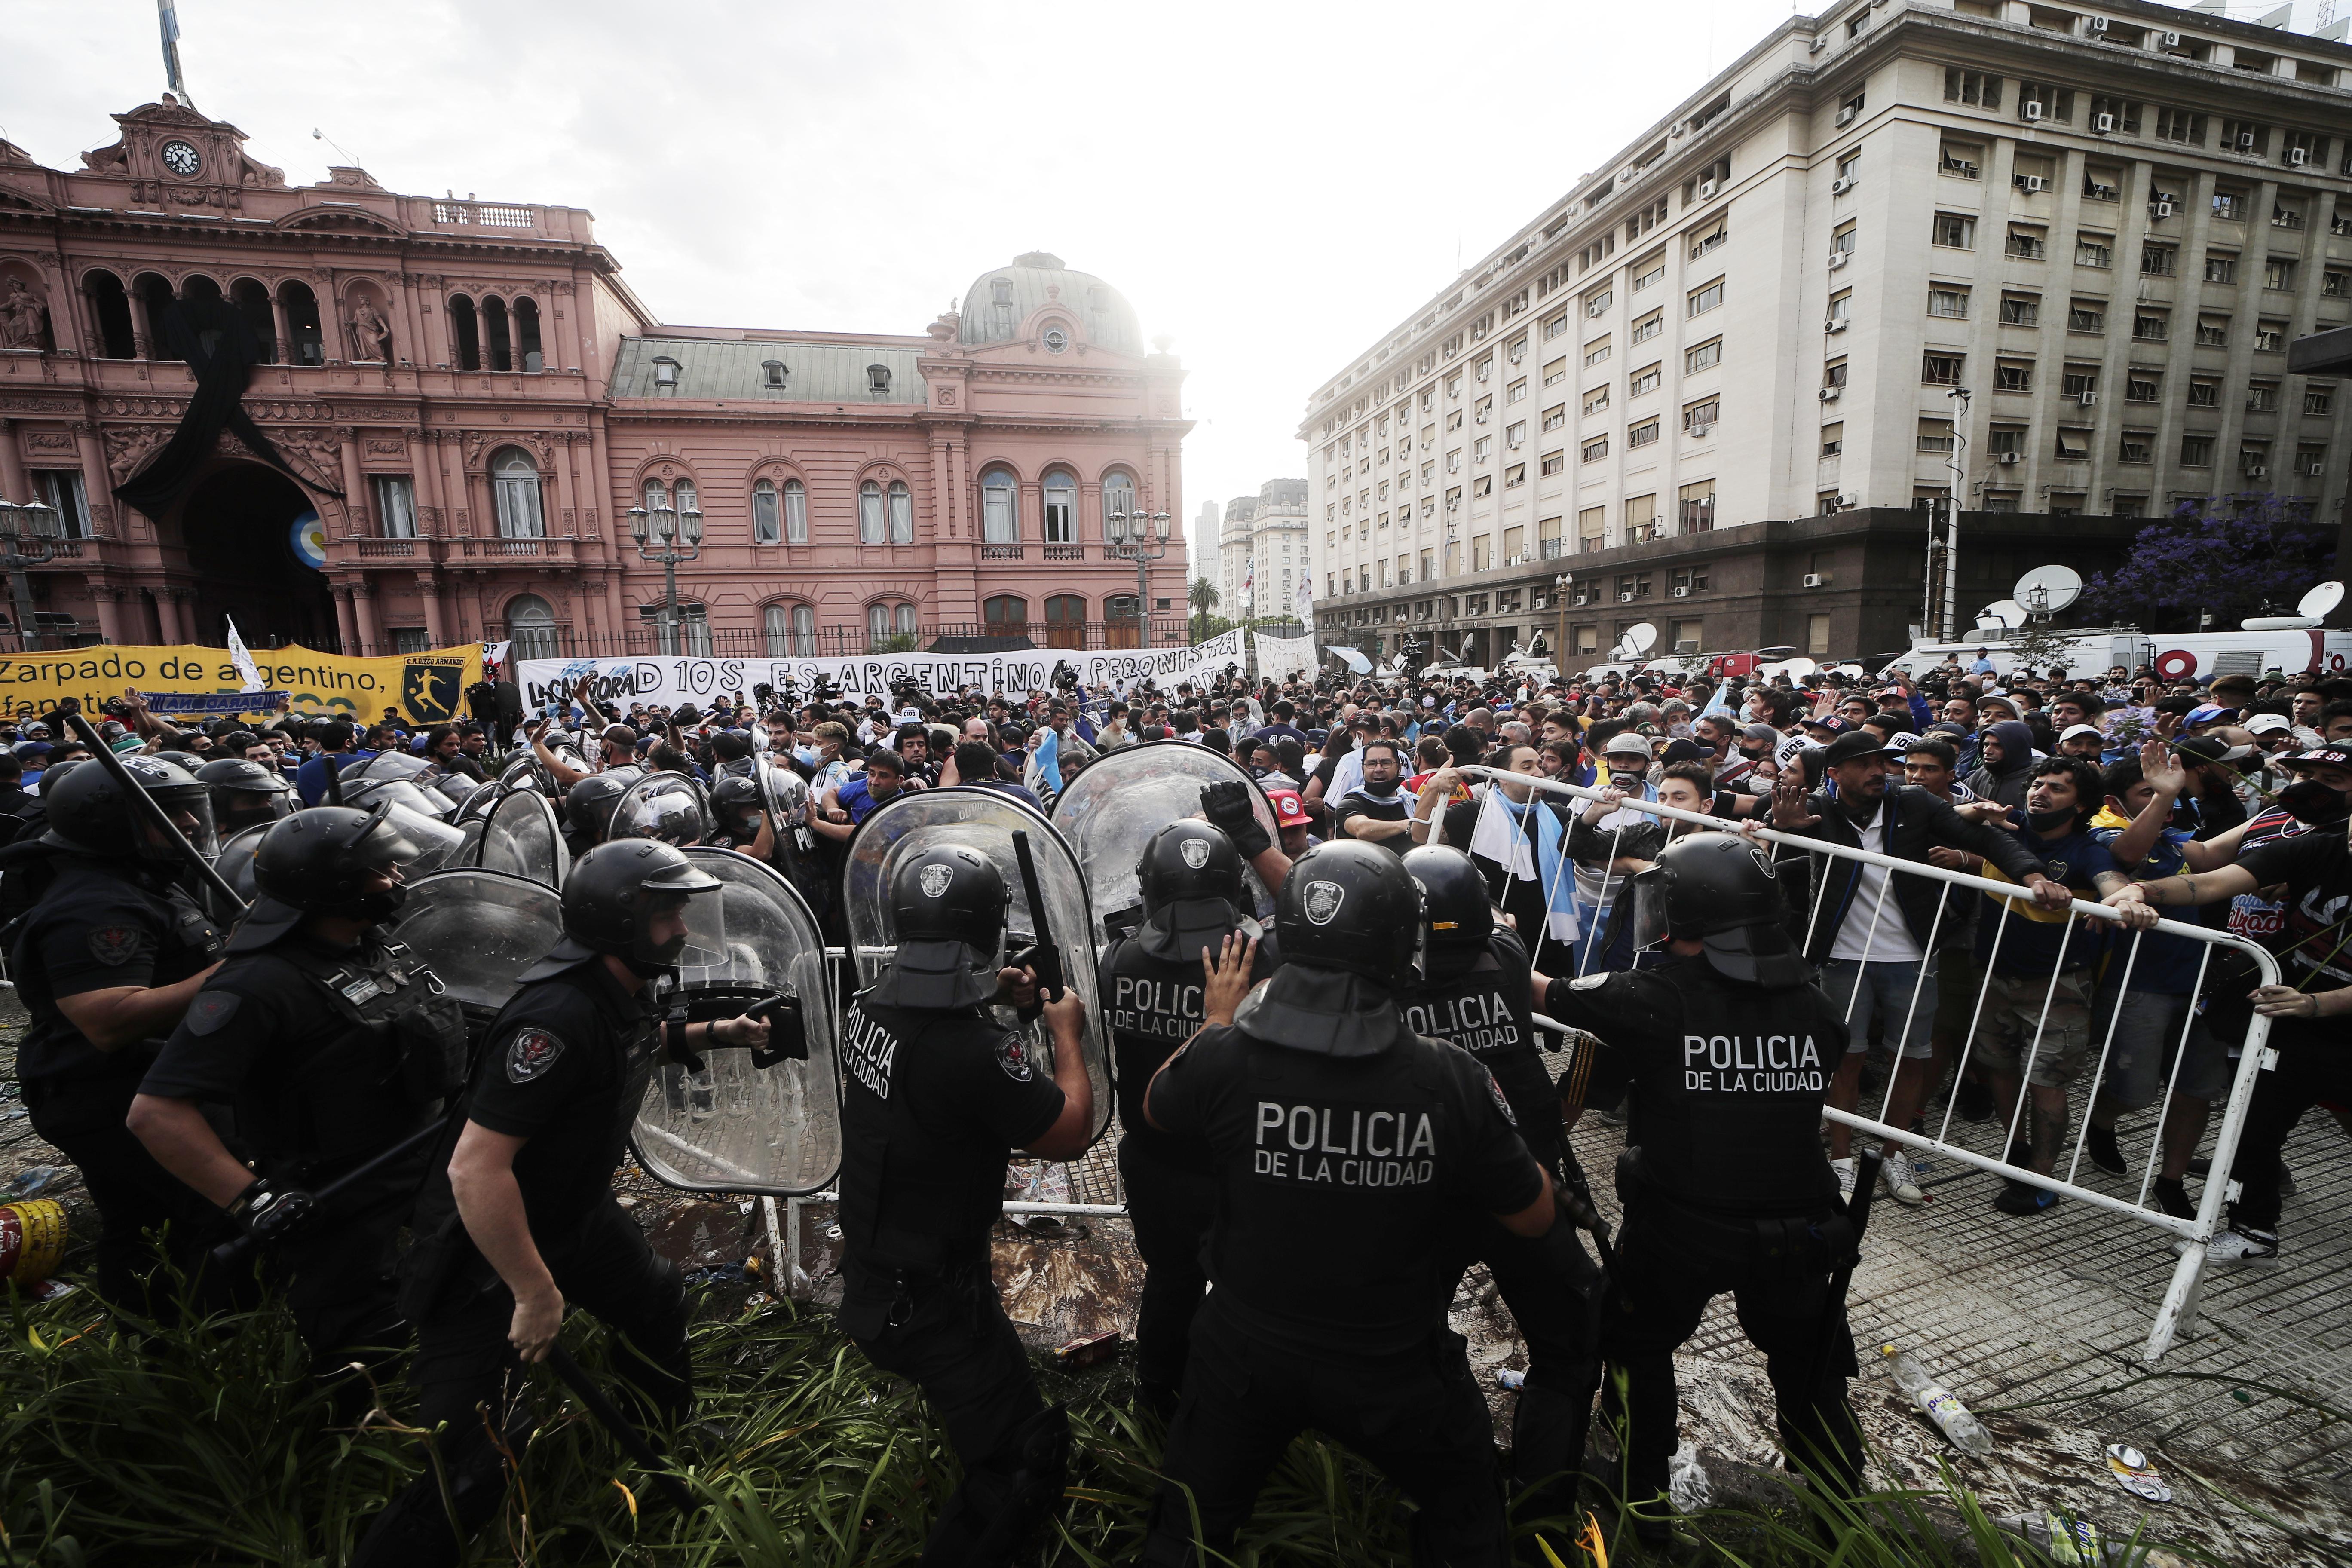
<point x="1012" y="1056"/>
<point x="1588" y="983"/>
<point x="115" y="945"/>
<point x="530" y="1053"/>
<point x="1495" y="1093"/>
<point x="211" y="1010"/>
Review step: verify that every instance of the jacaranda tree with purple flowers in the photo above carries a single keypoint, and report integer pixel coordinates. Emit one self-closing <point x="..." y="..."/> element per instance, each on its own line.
<point x="2230" y="555"/>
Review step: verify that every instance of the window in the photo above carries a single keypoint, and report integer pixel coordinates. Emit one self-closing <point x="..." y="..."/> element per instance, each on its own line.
<point x="1596" y="400"/>
<point x="665" y="376"/>
<point x="766" y="522"/>
<point x="1555" y="324"/>
<point x="1832" y="439"/>
<point x="2114" y="114"/>
<point x="1706" y="356"/>
<point x="1000" y="510"/>
<point x="1061" y="507"/>
<point x="1596" y="448"/>
<point x="1817" y="627"/>
<point x="2212" y="331"/>
<point x="1849" y="165"/>
<point x="531" y="625"/>
<point x="1511" y="393"/>
<point x="2151" y="326"/>
<point x="2262" y="397"/>
<point x="2221" y="267"/>
<point x="1553" y="462"/>
<point x="871" y="527"/>
<point x="2319" y="400"/>
<point x="1707" y="239"/>
<point x="2137" y="447"/>
<point x="1555" y="416"/>
<point x="2006" y="440"/>
<point x="2020" y="310"/>
<point x="1700" y="418"/>
<point x="1597" y="303"/>
<point x="1642" y="434"/>
<point x="1515" y="434"/>
<point x="2080" y="381"/>
<point x="1841" y="239"/>
<point x="791" y="630"/>
<point x="1705" y="298"/>
<point x="1514" y="476"/>
<point x="1971" y="86"/>
<point x="877" y="380"/>
<point x="2270" y="337"/>
<point x="1591" y="529"/>
<point x="2204" y="392"/>
<point x="2229" y="206"/>
<point x="1453" y="421"/>
<point x="1833" y="374"/>
<point x="2026" y="243"/>
<point x="775" y="377"/>
<point x="2036" y="100"/>
<point x="1948" y="300"/>
<point x="1595" y="351"/>
<point x="395" y="507"/>
<point x="795" y="513"/>
<point x="2196" y="452"/>
<point x="2159" y="260"/>
<point x="62" y="489"/>
<point x="1646" y="273"/>
<point x="1007" y="615"/>
<point x="1645" y="380"/>
<point x="1556" y="372"/>
<point x="514" y="484"/>
<point x="1941" y="368"/>
<point x="902" y="513"/>
<point x="1648" y="326"/>
<point x="1482" y="448"/>
<point x="2278" y="272"/>
<point x="2335" y="284"/>
<point x="1961" y="160"/>
<point x="1698" y="507"/>
<point x="2095" y="249"/>
<point x="1483" y="408"/>
<point x="2087" y="316"/>
<point x="2100" y="184"/>
<point x="2180" y="125"/>
<point x="2074" y="445"/>
<point x="1935" y="435"/>
<point x="1956" y="231"/>
<point x="2013" y="376"/>
<point x="2142" y="385"/>
<point x="2245" y="136"/>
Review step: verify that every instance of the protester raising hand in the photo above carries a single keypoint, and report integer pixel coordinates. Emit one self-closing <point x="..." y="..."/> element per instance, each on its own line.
<point x="1229" y="977"/>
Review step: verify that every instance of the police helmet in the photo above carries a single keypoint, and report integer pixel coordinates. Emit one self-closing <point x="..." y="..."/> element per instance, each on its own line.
<point x="188" y="760"/>
<point x="1352" y="906"/>
<point x="617" y="900"/>
<point x="244" y="792"/>
<point x="947" y="909"/>
<point x="1459" y="916"/>
<point x="319" y="862"/>
<point x="668" y="807"/>
<point x="1721" y="890"/>
<point x="588" y="804"/>
<point x="89" y="812"/>
<point x="735" y="802"/>
<point x="1190" y="876"/>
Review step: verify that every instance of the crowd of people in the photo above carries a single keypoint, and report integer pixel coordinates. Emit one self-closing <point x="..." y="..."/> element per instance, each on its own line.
<point x="1463" y="862"/>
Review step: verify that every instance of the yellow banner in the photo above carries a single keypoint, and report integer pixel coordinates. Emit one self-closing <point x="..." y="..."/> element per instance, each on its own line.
<point x="423" y="688"/>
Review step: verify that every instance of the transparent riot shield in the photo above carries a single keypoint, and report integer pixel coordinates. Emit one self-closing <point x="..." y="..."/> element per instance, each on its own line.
<point x="738" y="1126"/>
<point x="519" y="835"/>
<point x="985" y="820"/>
<point x="668" y="807"/>
<point x="786" y="795"/>
<point x="478" y="931"/>
<point x="1113" y="807"/>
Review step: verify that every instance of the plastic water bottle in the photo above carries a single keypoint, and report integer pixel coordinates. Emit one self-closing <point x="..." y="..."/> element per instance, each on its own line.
<point x="1965" y="1431"/>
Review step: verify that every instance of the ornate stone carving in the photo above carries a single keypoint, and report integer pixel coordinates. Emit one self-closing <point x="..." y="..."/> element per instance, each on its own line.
<point x="49" y="441"/>
<point x="128" y="446"/>
<point x="24" y="317"/>
<point x="388" y="449"/>
<point x="947" y="397"/>
<point x="369" y="334"/>
<point x="42" y="405"/>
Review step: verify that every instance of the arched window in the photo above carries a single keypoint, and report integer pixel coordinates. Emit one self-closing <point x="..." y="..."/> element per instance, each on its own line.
<point x="1061" y="507"/>
<point x="795" y="513"/>
<point x="774" y="374"/>
<point x="791" y="629"/>
<point x="906" y="619"/>
<point x="902" y="513"/>
<point x="877" y="380"/>
<point x="200" y="291"/>
<point x="766" y="525"/>
<point x="112" y="309"/>
<point x="1065" y="621"/>
<point x="253" y="304"/>
<point x="1007" y="615"/>
<point x="999" y="507"/>
<point x="884" y="622"/>
<point x="531" y="623"/>
<point x="656" y="495"/>
<point x="465" y="334"/>
<point x="526" y="328"/>
<point x="1118" y="496"/>
<point x="684" y="497"/>
<point x="495" y="345"/>
<point x="514" y="484"/>
<point x="869" y="514"/>
<point x="694" y="632"/>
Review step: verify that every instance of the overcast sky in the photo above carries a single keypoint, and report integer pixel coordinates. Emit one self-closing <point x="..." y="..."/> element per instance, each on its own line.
<point x="1273" y="185"/>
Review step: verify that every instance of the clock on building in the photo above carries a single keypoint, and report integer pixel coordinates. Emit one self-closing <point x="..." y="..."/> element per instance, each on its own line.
<point x="182" y="159"/>
<point x="1057" y="340"/>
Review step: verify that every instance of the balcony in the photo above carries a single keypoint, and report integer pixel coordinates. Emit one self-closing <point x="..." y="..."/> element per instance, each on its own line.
<point x="1066" y="551"/>
<point x="388" y="549"/>
<point x="555" y="552"/>
<point x="1003" y="553"/>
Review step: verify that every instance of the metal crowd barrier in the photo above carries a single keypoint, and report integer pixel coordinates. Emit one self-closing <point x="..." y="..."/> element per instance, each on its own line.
<point x="2178" y="1311"/>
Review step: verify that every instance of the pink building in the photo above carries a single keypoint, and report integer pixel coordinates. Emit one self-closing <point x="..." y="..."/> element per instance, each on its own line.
<point x="453" y="405"/>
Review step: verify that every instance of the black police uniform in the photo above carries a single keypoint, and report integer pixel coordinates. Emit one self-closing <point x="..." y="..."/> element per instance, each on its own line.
<point x="564" y="1065"/>
<point x="1548" y="1282"/>
<point x="104" y="924"/>
<point x="1152" y="1006"/>
<point x="327" y="1056"/>
<point x="1730" y="1191"/>
<point x="935" y="1099"/>
<point x="1334" y="1170"/>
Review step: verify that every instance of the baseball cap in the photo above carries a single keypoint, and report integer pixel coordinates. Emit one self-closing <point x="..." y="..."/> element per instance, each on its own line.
<point x="2334" y="754"/>
<point x="2268" y="723"/>
<point x="2207" y="713"/>
<point x="2074" y="730"/>
<point x="2212" y="749"/>
<point x="1853" y="746"/>
<point x="1625" y="742"/>
<point x="1829" y="722"/>
<point x="1289" y="809"/>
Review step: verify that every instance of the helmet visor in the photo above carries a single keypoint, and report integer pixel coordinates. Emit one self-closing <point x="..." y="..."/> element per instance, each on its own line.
<point x="190" y="807"/>
<point x="429" y="842"/>
<point x="1650" y="892"/>
<point x="685" y="929"/>
<point x="239" y="808"/>
<point x="423" y="803"/>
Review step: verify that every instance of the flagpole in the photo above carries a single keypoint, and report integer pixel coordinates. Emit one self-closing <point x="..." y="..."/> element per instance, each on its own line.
<point x="168" y="20"/>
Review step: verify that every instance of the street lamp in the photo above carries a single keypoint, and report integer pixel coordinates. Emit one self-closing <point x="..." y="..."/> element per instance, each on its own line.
<point x="1559" y="587"/>
<point x="668" y="536"/>
<point x="29" y="532"/>
<point x="1141" y="537"/>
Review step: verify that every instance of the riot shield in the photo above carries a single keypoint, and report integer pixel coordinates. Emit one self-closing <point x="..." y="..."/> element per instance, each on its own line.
<point x="735" y="1126"/>
<point x="786" y="795"/>
<point x="479" y="804"/>
<point x="419" y="821"/>
<point x="665" y="805"/>
<point x="479" y="931"/>
<point x="519" y="835"/>
<point x="1121" y="798"/>
<point x="984" y="820"/>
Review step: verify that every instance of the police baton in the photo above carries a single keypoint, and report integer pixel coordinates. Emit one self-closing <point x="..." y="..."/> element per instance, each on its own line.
<point x="1041" y="956"/>
<point x="1857" y="1214"/>
<point x="143" y="805"/>
<point x="624" y="1431"/>
<point x="236" y="1246"/>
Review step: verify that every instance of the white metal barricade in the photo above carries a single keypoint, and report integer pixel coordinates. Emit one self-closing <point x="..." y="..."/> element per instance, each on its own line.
<point x="2180" y="1302"/>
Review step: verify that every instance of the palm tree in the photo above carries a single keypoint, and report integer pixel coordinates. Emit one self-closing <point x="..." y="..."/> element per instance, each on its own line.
<point x="1204" y="596"/>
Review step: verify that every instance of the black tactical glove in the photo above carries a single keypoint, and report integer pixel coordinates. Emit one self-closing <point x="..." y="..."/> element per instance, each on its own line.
<point x="1226" y="804"/>
<point x="268" y="1214"/>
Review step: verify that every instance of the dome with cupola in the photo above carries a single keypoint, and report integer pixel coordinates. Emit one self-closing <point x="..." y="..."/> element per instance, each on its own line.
<point x="1001" y="303"/>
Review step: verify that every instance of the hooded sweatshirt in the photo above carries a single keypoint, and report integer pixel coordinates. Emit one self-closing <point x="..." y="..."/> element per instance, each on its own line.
<point x="2008" y="781"/>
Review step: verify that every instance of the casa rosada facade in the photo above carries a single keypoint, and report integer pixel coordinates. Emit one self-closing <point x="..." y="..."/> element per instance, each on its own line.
<point x="380" y="423"/>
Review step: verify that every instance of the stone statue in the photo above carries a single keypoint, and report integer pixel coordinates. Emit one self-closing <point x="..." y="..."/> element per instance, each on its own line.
<point x="370" y="333"/>
<point x="23" y="317"/>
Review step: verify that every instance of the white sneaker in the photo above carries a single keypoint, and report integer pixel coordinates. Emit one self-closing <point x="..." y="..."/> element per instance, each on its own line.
<point x="1845" y="1176"/>
<point x="2235" y="1245"/>
<point x="1901" y="1182"/>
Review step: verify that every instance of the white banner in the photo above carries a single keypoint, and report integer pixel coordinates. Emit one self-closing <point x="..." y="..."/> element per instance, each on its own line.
<point x="1285" y="656"/>
<point x="670" y="682"/>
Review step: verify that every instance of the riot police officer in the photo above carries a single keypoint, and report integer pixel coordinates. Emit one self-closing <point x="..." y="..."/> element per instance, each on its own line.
<point x="587" y="808"/>
<point x="1728" y="1047"/>
<point x="245" y="795"/>
<point x="1339" y="1140"/>
<point x="1151" y="990"/>
<point x="106" y="963"/>
<point x="332" y="1045"/>
<point x="519" y="1218"/>
<point x="1475" y="995"/>
<point x="741" y="816"/>
<point x="937" y="1095"/>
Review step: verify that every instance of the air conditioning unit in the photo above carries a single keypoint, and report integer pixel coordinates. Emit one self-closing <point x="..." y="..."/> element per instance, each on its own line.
<point x="2245" y="140"/>
<point x="2089" y="399"/>
<point x="1841" y="186"/>
<point x="2256" y="471"/>
<point x="2031" y="183"/>
<point x="1681" y="593"/>
<point x="1817" y="45"/>
<point x="2095" y="25"/>
<point x="1706" y="190"/>
<point x="1624" y="598"/>
<point x="1834" y="324"/>
<point x="2159" y="209"/>
<point x="1830" y="394"/>
<point x="1840" y="257"/>
<point x="1819" y="579"/>
<point x="1537" y="603"/>
<point x="2102" y="124"/>
<point x="2298" y="156"/>
<point x="2007" y="457"/>
<point x="2032" y="109"/>
<point x="2167" y="40"/>
<point x="1845" y="115"/>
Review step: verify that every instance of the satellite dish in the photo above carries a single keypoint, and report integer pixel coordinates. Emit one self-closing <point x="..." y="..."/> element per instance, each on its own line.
<point x="2003" y="613"/>
<point x="2320" y="600"/>
<point x="1641" y="636"/>
<point x="2046" y="590"/>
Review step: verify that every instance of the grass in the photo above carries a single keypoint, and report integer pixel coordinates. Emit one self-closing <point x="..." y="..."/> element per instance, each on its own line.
<point x="210" y="1447"/>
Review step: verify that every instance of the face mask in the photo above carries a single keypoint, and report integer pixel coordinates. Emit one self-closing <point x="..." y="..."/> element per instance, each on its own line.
<point x="379" y="906"/>
<point x="1381" y="790"/>
<point x="2308" y="800"/>
<point x="2043" y="821"/>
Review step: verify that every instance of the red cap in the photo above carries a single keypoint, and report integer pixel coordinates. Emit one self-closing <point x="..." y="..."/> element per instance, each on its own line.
<point x="1289" y="809"/>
